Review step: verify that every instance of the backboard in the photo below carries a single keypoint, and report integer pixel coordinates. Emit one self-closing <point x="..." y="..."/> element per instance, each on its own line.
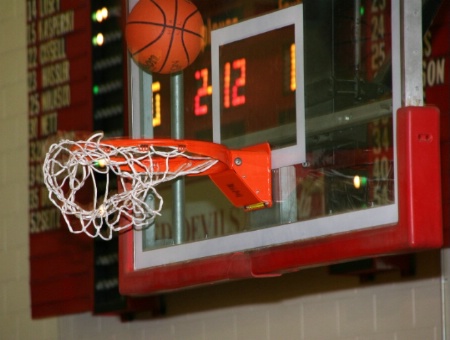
<point x="322" y="82"/>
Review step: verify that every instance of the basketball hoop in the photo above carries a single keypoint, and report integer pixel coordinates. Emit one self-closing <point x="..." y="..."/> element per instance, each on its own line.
<point x="140" y="165"/>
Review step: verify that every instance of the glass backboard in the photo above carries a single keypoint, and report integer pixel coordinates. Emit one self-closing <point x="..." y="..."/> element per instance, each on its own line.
<point x="333" y="72"/>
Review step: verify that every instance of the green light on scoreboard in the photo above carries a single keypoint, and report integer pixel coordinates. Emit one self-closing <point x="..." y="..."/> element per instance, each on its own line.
<point x="362" y="10"/>
<point x="95" y="89"/>
<point x="100" y="15"/>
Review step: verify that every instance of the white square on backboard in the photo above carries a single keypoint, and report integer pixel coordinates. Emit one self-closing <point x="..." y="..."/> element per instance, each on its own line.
<point x="289" y="155"/>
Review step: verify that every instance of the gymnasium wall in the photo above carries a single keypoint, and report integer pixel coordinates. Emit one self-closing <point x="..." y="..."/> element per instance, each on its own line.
<point x="15" y="315"/>
<point x="307" y="305"/>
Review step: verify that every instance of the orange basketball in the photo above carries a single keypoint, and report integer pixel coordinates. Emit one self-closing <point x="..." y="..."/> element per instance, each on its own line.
<point x="164" y="36"/>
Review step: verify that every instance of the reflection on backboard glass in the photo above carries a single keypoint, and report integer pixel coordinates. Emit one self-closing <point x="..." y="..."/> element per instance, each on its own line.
<point x="348" y="180"/>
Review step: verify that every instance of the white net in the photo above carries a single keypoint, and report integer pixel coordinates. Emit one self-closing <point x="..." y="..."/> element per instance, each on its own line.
<point x="72" y="170"/>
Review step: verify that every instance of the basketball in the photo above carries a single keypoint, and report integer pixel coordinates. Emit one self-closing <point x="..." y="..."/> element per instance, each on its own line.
<point x="164" y="36"/>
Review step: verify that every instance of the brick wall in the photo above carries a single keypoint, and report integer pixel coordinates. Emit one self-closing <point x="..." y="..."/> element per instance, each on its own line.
<point x="306" y="305"/>
<point x="408" y="311"/>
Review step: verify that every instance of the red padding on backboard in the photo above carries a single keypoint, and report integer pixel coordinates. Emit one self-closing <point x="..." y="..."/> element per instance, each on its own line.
<point x="420" y="205"/>
<point x="419" y="226"/>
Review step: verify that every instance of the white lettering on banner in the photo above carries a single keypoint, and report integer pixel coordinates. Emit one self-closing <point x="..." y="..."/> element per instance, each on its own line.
<point x="38" y="150"/>
<point x="33" y="127"/>
<point x="33" y="151"/>
<point x="36" y="176"/>
<point x="39" y="175"/>
<point x="52" y="50"/>
<point x="381" y="170"/>
<point x="44" y="220"/>
<point x="31" y="10"/>
<point x="31" y="176"/>
<point x="31" y="34"/>
<point x="427" y="48"/>
<point x="34" y="105"/>
<point x="49" y="90"/>
<point x="378" y="30"/>
<point x="32" y="57"/>
<point x="55" y="98"/>
<point x="48" y="7"/>
<point x="56" y="74"/>
<point x="49" y="124"/>
<point x="32" y="81"/>
<point x="56" y="25"/>
<point x="44" y="200"/>
<point x="34" y="198"/>
<point x="434" y="72"/>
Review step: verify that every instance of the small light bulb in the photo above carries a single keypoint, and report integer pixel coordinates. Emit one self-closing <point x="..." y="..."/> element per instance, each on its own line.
<point x="98" y="16"/>
<point x="101" y="163"/>
<point x="359" y="181"/>
<point x="102" y="210"/>
<point x="104" y="12"/>
<point x="100" y="39"/>
<point x="156" y="86"/>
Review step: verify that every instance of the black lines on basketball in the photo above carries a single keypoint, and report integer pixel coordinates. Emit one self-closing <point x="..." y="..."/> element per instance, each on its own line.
<point x="164" y="36"/>
<point x="171" y="36"/>
<point x="186" y="31"/>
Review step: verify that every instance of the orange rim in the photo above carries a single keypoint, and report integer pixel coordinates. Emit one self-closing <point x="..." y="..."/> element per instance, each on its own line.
<point x="190" y="147"/>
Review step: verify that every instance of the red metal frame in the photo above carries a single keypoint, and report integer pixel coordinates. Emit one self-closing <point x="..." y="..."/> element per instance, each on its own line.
<point x="419" y="226"/>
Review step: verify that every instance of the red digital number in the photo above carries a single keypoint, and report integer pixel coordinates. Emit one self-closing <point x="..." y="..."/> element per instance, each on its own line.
<point x="204" y="90"/>
<point x="232" y="92"/>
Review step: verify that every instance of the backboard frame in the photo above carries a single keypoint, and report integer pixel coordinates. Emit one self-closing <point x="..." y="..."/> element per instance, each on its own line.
<point x="418" y="226"/>
<point x="291" y="230"/>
